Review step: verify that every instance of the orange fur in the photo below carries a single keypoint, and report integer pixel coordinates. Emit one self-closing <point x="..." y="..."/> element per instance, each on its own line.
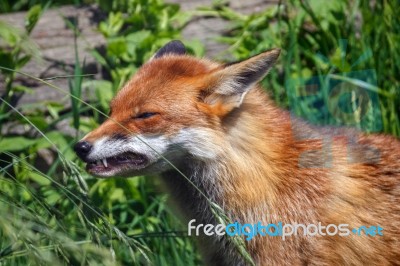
<point x="262" y="170"/>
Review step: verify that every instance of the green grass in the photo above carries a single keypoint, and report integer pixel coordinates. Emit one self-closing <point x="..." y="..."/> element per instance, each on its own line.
<point x="334" y="69"/>
<point x="121" y="216"/>
<point x="329" y="50"/>
<point x="58" y="214"/>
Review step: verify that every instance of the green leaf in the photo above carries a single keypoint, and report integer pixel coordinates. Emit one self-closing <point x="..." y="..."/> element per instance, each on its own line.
<point x="54" y="108"/>
<point x="32" y="17"/>
<point x="112" y="25"/>
<point x="196" y="47"/>
<point x="15" y="143"/>
<point x="99" y="57"/>
<point x="9" y="34"/>
<point x="23" y="60"/>
<point x="361" y="84"/>
<point x="40" y="179"/>
<point x="117" y="195"/>
<point x="103" y="91"/>
<point x="6" y="60"/>
<point x="55" y="137"/>
<point x="117" y="47"/>
<point x="24" y="89"/>
<point x="39" y="121"/>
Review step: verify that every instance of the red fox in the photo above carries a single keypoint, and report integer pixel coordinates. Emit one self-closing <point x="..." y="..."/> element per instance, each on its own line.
<point x="220" y="129"/>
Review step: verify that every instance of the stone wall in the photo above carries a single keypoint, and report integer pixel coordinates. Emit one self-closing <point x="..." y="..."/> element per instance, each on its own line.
<point x="55" y="41"/>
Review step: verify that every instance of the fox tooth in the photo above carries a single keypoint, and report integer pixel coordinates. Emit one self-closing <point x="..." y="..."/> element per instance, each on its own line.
<point x="105" y="162"/>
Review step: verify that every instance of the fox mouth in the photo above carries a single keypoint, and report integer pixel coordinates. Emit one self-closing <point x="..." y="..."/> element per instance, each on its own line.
<point x="116" y="164"/>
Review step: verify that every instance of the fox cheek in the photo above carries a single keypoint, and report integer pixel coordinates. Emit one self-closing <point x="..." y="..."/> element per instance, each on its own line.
<point x="193" y="141"/>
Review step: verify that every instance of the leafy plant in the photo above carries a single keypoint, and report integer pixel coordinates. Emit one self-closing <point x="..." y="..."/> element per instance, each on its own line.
<point x="58" y="219"/>
<point x="330" y="50"/>
<point x="16" y="51"/>
<point x="7" y="6"/>
<point x="134" y="30"/>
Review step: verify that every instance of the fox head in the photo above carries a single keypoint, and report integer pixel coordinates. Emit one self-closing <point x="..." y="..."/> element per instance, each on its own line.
<point x="173" y="108"/>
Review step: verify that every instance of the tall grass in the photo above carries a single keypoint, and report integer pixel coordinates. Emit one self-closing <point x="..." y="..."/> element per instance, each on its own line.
<point x="145" y="222"/>
<point x="337" y="67"/>
<point x="341" y="53"/>
<point x="58" y="214"/>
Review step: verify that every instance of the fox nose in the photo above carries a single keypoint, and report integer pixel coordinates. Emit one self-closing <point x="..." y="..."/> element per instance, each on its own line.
<point x="82" y="149"/>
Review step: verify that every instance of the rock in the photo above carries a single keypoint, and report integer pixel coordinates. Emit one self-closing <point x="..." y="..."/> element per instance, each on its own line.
<point x="56" y="42"/>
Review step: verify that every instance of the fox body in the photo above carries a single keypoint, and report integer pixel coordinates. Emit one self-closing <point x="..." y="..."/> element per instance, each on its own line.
<point x="220" y="129"/>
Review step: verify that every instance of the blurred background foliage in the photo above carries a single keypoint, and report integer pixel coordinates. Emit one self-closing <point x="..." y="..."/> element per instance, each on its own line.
<point x="339" y="66"/>
<point x="333" y="52"/>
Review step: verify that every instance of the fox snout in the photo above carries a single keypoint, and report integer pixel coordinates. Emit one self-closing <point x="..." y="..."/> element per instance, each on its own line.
<point x="129" y="155"/>
<point x="82" y="149"/>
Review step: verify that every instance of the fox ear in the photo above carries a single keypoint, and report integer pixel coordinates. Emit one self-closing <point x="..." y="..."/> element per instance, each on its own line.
<point x="173" y="47"/>
<point x="230" y="84"/>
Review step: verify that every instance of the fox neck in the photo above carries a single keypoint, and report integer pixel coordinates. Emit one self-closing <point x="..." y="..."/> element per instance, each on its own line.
<point x="244" y="179"/>
<point x="254" y="179"/>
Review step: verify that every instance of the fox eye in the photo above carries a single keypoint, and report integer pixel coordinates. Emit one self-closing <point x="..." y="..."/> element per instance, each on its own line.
<point x="144" y="115"/>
